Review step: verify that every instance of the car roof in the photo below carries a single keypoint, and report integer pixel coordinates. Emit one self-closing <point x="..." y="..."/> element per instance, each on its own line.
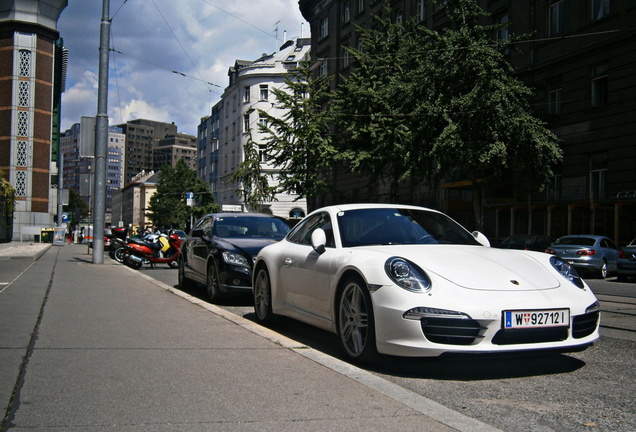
<point x="237" y="214"/>
<point x="362" y="206"/>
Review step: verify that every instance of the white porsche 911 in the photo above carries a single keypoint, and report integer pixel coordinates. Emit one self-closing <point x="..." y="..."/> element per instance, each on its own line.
<point x="410" y="281"/>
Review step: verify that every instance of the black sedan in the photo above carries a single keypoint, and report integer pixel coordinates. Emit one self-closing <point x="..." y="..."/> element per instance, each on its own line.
<point x="221" y="248"/>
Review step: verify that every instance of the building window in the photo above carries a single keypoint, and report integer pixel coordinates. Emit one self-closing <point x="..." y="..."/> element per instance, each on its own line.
<point x="264" y="92"/>
<point x="25" y="63"/>
<point x="346" y="12"/>
<point x="600" y="9"/>
<point x="554" y="98"/>
<point x="421" y="10"/>
<point x="262" y="153"/>
<point x="23" y="93"/>
<point x="399" y="17"/>
<point x="557" y="18"/>
<point x="22" y="154"/>
<point x="324" y="28"/>
<point x="322" y="70"/>
<point x="599" y="86"/>
<point x="503" y="32"/>
<point x="346" y="58"/>
<point x="246" y="94"/>
<point x="598" y="177"/>
<point x="360" y="6"/>
<point x="246" y="123"/>
<point x="23" y="123"/>
<point x="262" y="120"/>
<point x="20" y="183"/>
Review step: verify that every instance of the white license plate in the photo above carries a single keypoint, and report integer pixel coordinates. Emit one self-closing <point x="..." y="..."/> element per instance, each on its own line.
<point x="536" y="318"/>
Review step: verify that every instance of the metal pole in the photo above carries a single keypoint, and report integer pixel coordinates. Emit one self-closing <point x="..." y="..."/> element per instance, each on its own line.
<point x="101" y="139"/>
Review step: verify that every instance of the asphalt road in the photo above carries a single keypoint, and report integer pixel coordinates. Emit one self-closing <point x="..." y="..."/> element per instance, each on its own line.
<point x="591" y="390"/>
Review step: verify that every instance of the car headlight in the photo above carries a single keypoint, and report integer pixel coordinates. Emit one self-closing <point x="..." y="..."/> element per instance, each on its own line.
<point x="567" y="271"/>
<point x="407" y="275"/>
<point x="235" y="259"/>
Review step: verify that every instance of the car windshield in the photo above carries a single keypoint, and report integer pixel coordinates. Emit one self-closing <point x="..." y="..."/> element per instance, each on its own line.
<point x="242" y="226"/>
<point x="578" y="241"/>
<point x="391" y="226"/>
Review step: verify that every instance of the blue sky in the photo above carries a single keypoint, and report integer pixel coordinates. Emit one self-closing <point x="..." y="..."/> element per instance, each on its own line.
<point x="197" y="39"/>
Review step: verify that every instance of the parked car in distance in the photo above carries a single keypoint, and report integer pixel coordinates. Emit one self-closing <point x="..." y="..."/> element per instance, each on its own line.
<point x="533" y="242"/>
<point x="588" y="253"/>
<point x="626" y="266"/>
<point x="410" y="281"/>
<point x="220" y="250"/>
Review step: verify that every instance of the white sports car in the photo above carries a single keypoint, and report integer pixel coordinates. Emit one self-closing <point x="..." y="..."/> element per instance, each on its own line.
<point x="410" y="281"/>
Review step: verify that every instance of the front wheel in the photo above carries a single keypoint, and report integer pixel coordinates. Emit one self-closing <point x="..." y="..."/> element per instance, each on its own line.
<point x="184" y="282"/>
<point x="356" y="325"/>
<point x="118" y="254"/>
<point x="212" y="283"/>
<point x="262" y="292"/>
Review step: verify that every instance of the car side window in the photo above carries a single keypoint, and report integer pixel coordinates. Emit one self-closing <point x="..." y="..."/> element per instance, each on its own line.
<point x="204" y="224"/>
<point x="302" y="233"/>
<point x="609" y="244"/>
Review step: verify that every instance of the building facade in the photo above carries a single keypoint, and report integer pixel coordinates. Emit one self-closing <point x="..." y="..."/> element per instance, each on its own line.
<point x="29" y="97"/>
<point x="78" y="162"/>
<point x="131" y="203"/>
<point x="174" y="147"/>
<point x="250" y="90"/>
<point x="208" y="133"/>
<point x="142" y="138"/>
<point x="579" y="60"/>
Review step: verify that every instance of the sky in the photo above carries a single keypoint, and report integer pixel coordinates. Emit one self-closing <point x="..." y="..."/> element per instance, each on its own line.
<point x="171" y="57"/>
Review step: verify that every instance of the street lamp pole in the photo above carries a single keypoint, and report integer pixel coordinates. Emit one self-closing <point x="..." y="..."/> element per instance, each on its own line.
<point x="101" y="139"/>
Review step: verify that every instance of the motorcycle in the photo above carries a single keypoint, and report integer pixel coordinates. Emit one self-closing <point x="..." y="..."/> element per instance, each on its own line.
<point x="163" y="249"/>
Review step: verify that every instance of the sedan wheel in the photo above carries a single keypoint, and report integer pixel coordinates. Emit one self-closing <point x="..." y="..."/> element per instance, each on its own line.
<point x="603" y="271"/>
<point x="119" y="254"/>
<point x="263" y="296"/>
<point x="184" y="282"/>
<point x="355" y="321"/>
<point x="212" y="283"/>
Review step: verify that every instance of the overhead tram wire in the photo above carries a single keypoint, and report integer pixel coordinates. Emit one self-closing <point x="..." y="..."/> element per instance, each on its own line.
<point x="180" y="44"/>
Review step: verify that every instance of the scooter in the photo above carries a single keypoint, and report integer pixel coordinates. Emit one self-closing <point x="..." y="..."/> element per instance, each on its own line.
<point x="118" y="243"/>
<point x="163" y="250"/>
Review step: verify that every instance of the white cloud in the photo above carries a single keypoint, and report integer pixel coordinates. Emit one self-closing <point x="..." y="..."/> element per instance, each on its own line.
<point x="200" y="39"/>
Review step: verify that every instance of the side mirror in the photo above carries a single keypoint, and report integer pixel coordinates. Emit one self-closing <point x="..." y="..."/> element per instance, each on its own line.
<point x="319" y="240"/>
<point x="481" y="238"/>
<point x="196" y="233"/>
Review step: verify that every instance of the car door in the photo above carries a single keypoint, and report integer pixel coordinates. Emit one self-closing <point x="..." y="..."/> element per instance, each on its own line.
<point x="307" y="274"/>
<point x="611" y="251"/>
<point x="198" y="247"/>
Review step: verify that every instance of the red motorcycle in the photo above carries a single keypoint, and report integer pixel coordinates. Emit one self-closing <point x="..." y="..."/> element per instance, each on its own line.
<point x="162" y="250"/>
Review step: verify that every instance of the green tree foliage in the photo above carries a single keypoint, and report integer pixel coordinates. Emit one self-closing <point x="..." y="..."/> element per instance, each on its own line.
<point x="254" y="179"/>
<point x="168" y="207"/>
<point x="376" y="115"/>
<point x="441" y="104"/>
<point x="298" y="144"/>
<point x="7" y="204"/>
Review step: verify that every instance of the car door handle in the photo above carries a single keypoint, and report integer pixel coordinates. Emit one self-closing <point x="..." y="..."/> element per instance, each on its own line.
<point x="288" y="262"/>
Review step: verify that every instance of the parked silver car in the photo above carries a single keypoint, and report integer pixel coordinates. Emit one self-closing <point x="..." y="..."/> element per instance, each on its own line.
<point x="588" y="253"/>
<point x="627" y="262"/>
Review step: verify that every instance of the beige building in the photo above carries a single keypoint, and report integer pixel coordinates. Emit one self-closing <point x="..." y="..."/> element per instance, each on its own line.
<point x="131" y="203"/>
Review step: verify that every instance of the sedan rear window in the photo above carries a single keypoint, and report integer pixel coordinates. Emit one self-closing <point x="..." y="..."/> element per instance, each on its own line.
<point x="578" y="241"/>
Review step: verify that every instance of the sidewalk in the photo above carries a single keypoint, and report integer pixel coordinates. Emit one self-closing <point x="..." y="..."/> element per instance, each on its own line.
<point x="91" y="347"/>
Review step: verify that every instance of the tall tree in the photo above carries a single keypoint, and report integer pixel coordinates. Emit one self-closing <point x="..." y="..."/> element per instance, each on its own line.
<point x="373" y="108"/>
<point x="254" y="178"/>
<point x="441" y="104"/>
<point x="298" y="144"/>
<point x="168" y="207"/>
<point x="485" y="125"/>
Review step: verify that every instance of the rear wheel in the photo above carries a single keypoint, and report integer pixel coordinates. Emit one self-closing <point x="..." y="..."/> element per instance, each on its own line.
<point x="118" y="254"/>
<point x="356" y="325"/>
<point x="184" y="282"/>
<point x="262" y="292"/>
<point x="603" y="271"/>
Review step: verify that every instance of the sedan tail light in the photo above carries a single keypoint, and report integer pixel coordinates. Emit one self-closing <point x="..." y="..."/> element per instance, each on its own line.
<point x="586" y="252"/>
<point x="622" y="254"/>
<point x="550" y="251"/>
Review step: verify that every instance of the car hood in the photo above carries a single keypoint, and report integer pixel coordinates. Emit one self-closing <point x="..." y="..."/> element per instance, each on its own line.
<point x="250" y="246"/>
<point x="480" y="268"/>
